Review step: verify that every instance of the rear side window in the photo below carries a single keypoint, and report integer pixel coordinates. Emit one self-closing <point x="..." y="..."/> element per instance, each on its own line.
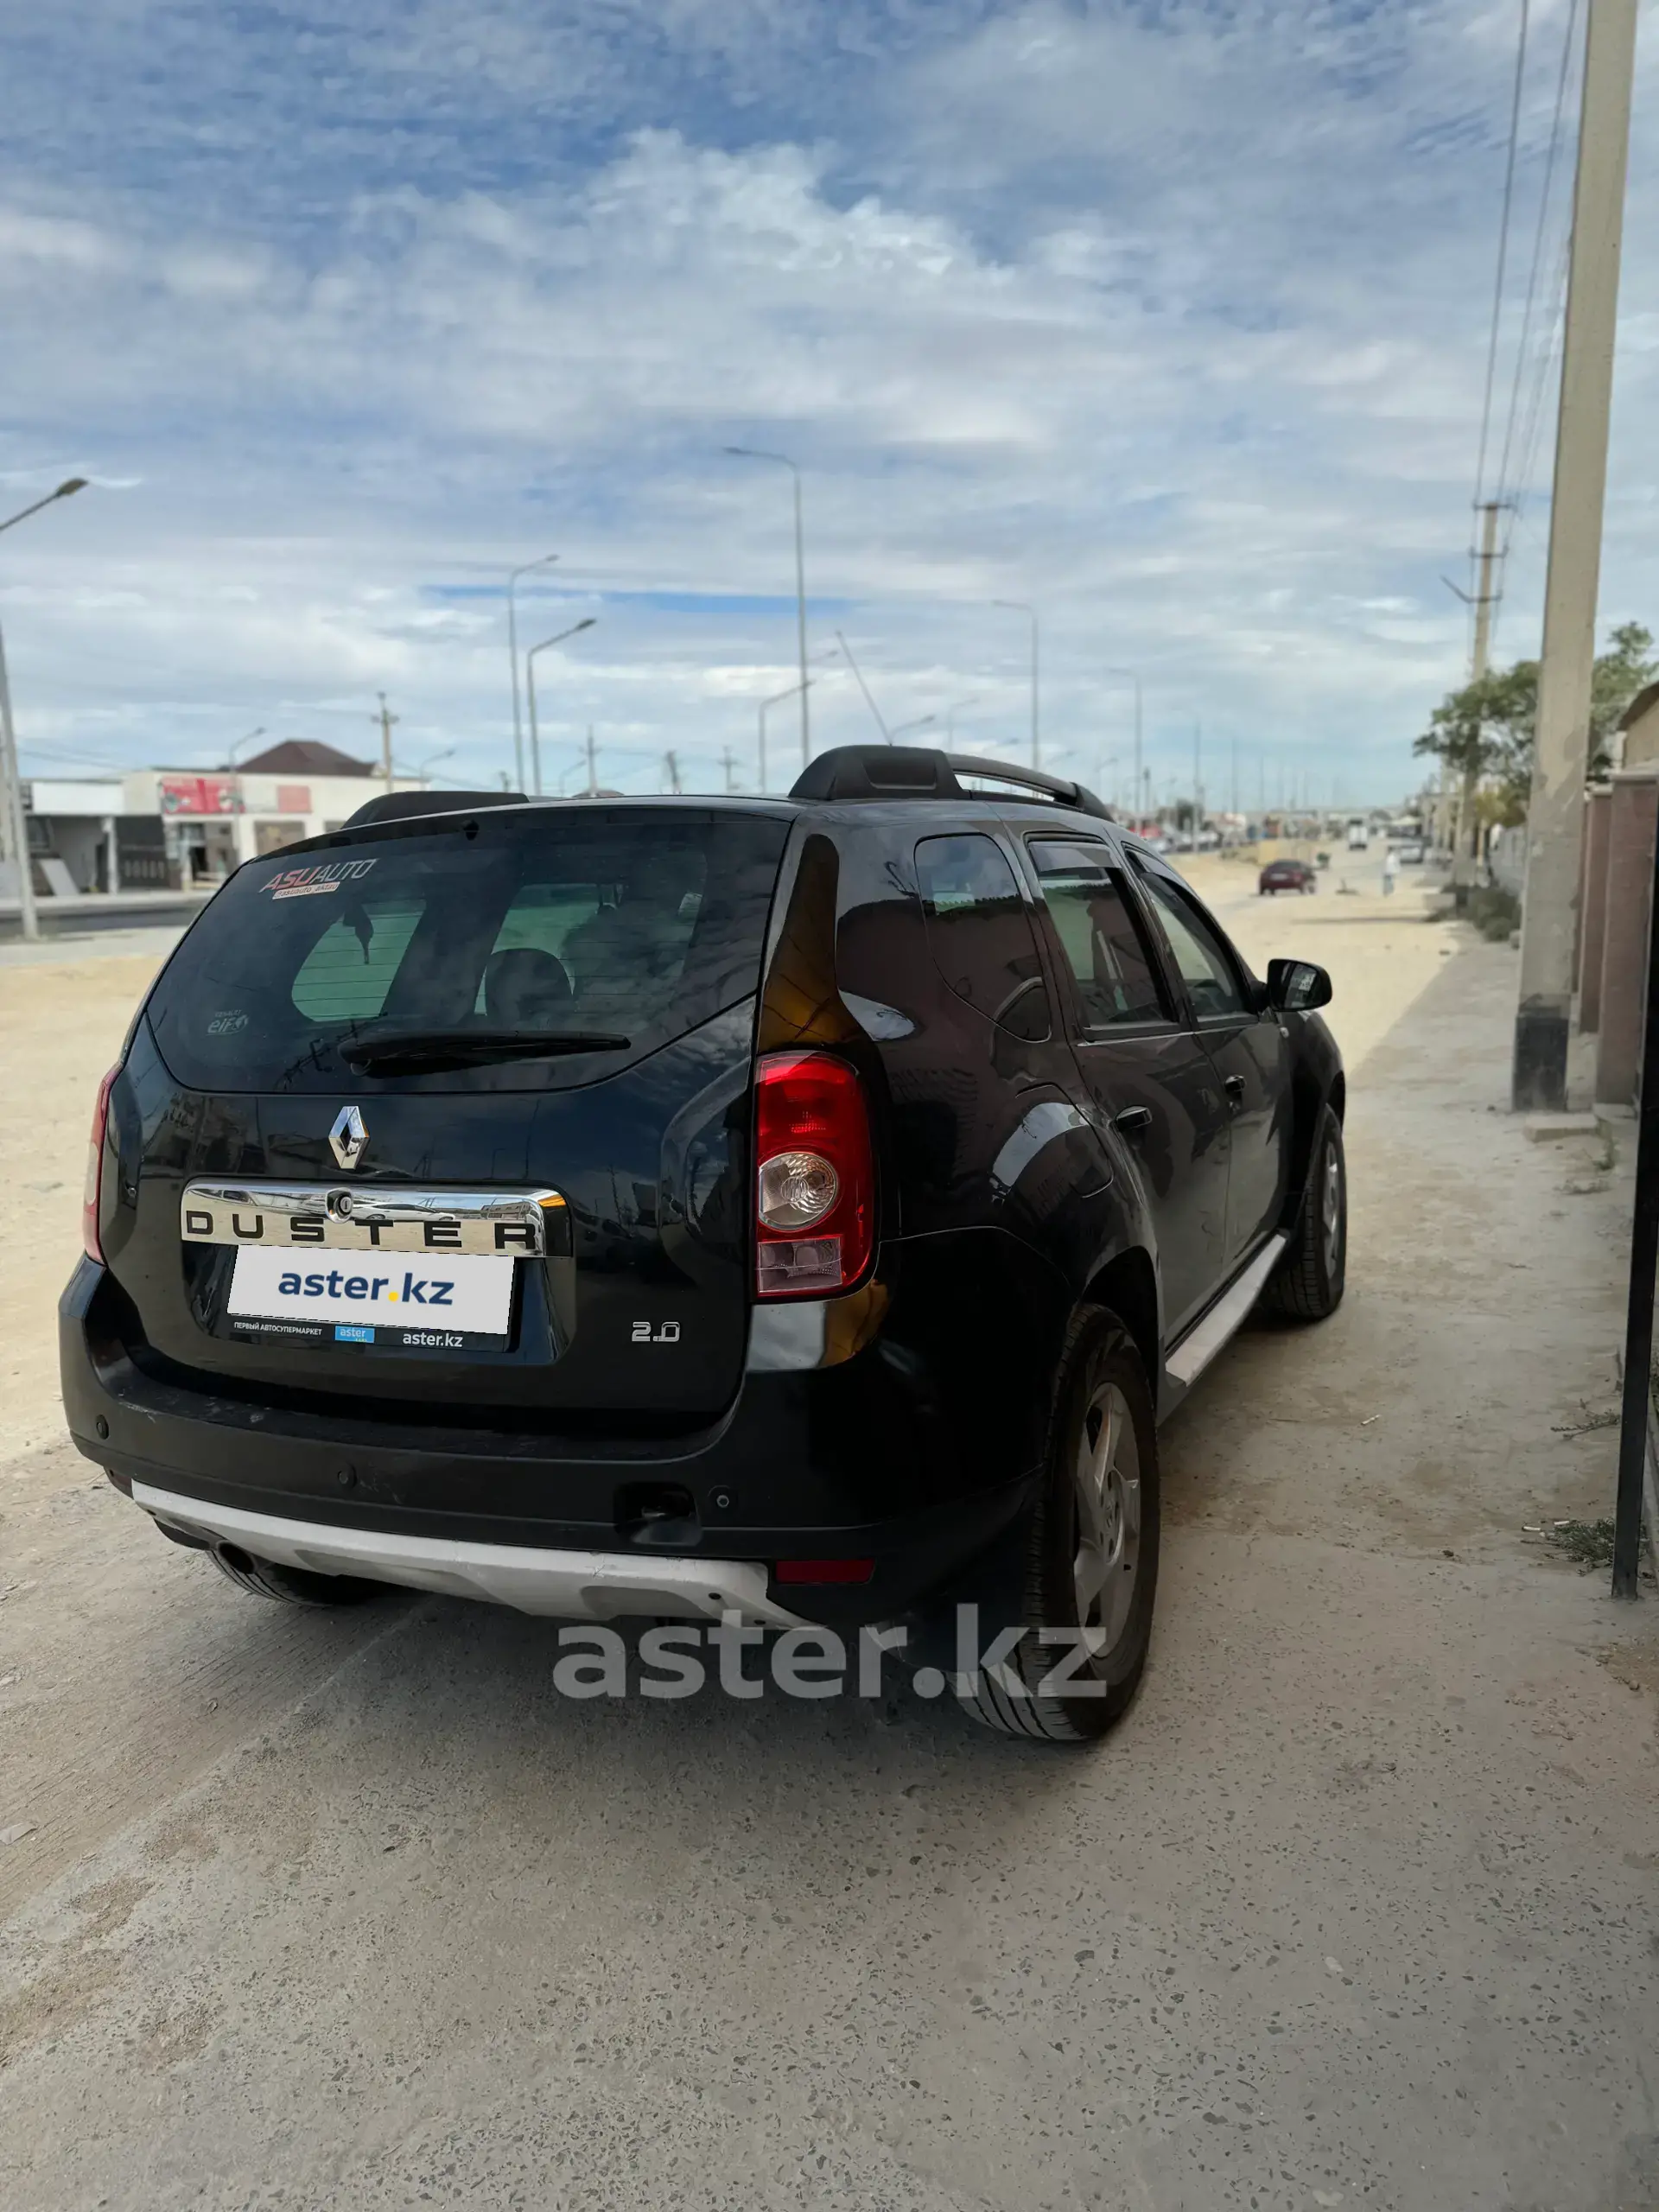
<point x="639" y="924"/>
<point x="979" y="932"/>
<point x="1110" y="963"/>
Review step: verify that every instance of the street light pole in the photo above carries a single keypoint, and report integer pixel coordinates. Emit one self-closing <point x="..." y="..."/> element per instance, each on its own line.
<point x="11" y="771"/>
<point x="237" y="789"/>
<point x="754" y="452"/>
<point x="1135" y="680"/>
<point x="586" y="623"/>
<point x="776" y="700"/>
<point x="513" y="574"/>
<point x="1019" y="606"/>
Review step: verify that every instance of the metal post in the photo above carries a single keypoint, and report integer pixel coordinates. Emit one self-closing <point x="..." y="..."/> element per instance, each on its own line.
<point x="800" y="620"/>
<point x="1019" y="606"/>
<point x="16" y="822"/>
<point x="1644" y="1263"/>
<point x="542" y="561"/>
<point x="535" y="729"/>
<point x="1561" y="755"/>
<point x="1464" y="863"/>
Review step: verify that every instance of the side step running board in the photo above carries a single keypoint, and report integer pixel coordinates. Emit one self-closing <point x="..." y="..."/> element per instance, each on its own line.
<point x="1196" y="1350"/>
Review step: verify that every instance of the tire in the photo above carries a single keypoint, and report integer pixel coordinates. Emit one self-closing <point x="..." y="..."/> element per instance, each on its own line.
<point x="1308" y="1282"/>
<point x="1102" y="1445"/>
<point x="291" y="1585"/>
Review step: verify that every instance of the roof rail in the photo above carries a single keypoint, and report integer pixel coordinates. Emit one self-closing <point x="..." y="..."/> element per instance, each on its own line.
<point x="398" y="807"/>
<point x="919" y="772"/>
<point x="1063" y="790"/>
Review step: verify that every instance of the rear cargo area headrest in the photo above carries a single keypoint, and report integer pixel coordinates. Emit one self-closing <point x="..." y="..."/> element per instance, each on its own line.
<point x="878" y="772"/>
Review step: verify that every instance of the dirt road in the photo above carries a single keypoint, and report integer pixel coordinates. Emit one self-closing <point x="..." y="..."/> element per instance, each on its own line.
<point x="1356" y="1908"/>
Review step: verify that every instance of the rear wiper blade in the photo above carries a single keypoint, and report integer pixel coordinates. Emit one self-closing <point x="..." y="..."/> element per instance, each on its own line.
<point x="433" y="1052"/>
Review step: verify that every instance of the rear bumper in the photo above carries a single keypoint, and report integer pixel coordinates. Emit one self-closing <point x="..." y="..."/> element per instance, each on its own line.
<point x="880" y="1457"/>
<point x="571" y="1586"/>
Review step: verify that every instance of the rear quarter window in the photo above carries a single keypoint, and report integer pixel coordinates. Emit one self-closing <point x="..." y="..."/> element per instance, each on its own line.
<point x="979" y="932"/>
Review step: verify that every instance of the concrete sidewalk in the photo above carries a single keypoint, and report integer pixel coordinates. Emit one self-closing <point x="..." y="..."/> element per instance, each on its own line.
<point x="1356" y="1908"/>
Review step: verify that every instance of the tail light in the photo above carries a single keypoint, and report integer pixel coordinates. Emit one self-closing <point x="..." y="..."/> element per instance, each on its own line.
<point x="92" y="1192"/>
<point x="815" y="1180"/>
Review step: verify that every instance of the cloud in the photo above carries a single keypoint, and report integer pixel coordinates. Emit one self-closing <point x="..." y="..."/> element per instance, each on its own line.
<point x="1172" y="322"/>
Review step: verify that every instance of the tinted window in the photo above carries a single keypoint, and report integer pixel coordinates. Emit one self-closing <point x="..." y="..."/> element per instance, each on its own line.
<point x="639" y="924"/>
<point x="1109" y="961"/>
<point x="1197" y="946"/>
<point x="979" y="932"/>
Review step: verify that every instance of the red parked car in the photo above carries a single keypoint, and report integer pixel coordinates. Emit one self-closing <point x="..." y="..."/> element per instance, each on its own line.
<point x="1287" y="875"/>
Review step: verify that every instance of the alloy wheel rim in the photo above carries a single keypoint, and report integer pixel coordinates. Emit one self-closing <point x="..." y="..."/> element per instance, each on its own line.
<point x="1330" y="1208"/>
<point x="1106" y="1482"/>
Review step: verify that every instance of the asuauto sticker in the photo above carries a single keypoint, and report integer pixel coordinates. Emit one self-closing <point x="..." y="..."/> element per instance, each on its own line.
<point x="306" y="882"/>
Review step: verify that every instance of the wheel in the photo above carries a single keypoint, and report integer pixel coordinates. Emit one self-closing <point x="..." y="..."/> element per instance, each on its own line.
<point x="1308" y="1284"/>
<point x="291" y="1585"/>
<point x="1089" y="1549"/>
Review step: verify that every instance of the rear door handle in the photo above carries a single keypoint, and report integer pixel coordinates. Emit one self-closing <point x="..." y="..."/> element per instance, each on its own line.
<point x="1132" y="1120"/>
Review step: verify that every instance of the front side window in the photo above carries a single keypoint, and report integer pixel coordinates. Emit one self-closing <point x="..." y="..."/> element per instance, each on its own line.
<point x="979" y="932"/>
<point x="1197" y="947"/>
<point x="1111" y="965"/>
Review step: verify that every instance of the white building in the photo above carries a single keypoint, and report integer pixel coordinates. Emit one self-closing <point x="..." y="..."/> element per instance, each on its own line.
<point x="176" y="828"/>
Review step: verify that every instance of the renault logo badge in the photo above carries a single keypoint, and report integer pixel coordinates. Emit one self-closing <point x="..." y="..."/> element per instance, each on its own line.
<point x="348" y="1138"/>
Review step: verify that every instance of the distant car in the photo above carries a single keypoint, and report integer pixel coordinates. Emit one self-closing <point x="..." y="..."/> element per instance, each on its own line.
<point x="1287" y="875"/>
<point x="1411" y="852"/>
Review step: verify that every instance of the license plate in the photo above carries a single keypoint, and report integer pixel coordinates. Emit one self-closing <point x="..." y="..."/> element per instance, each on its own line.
<point x="438" y="1301"/>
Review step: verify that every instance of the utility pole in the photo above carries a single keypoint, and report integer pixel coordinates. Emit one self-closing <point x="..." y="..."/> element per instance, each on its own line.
<point x="385" y="718"/>
<point x="728" y="761"/>
<point x="592" y="765"/>
<point x="1561" y="746"/>
<point x="673" y="766"/>
<point x="1463" y="865"/>
<point x="1235" y="804"/>
<point x="16" y="822"/>
<point x="1019" y="606"/>
<point x="1197" y="782"/>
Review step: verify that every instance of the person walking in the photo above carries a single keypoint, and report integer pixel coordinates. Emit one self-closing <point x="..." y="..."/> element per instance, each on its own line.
<point x="1390" y="869"/>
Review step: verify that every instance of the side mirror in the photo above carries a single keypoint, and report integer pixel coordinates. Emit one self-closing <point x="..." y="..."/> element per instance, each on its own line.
<point x="1297" y="986"/>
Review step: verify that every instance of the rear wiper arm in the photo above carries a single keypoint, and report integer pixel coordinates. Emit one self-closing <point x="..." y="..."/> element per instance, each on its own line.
<point x="433" y="1052"/>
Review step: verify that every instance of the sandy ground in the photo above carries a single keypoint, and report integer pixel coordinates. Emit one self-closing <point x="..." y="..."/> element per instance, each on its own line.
<point x="1356" y="1908"/>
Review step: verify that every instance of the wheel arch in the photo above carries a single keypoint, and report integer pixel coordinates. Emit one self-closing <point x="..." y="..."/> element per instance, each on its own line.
<point x="1128" y="1284"/>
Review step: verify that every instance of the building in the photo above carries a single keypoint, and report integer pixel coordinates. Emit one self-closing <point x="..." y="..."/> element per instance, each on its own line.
<point x="180" y="828"/>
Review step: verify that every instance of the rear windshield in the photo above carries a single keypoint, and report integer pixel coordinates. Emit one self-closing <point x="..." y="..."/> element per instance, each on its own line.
<point x="540" y="924"/>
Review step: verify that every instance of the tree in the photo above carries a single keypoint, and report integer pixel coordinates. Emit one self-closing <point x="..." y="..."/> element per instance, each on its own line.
<point x="1488" y="725"/>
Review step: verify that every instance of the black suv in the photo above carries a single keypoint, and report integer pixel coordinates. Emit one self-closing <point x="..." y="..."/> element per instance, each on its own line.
<point x="804" y="1209"/>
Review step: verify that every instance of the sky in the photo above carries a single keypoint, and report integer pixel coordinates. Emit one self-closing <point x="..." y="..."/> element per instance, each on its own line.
<point x="1168" y="321"/>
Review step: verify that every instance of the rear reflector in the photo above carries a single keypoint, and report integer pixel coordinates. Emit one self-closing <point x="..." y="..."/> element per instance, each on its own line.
<point x="823" y="1570"/>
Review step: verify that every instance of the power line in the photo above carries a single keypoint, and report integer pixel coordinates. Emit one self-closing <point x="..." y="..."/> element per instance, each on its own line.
<point x="1506" y="208"/>
<point x="1537" y="248"/>
<point x="1503" y="250"/>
